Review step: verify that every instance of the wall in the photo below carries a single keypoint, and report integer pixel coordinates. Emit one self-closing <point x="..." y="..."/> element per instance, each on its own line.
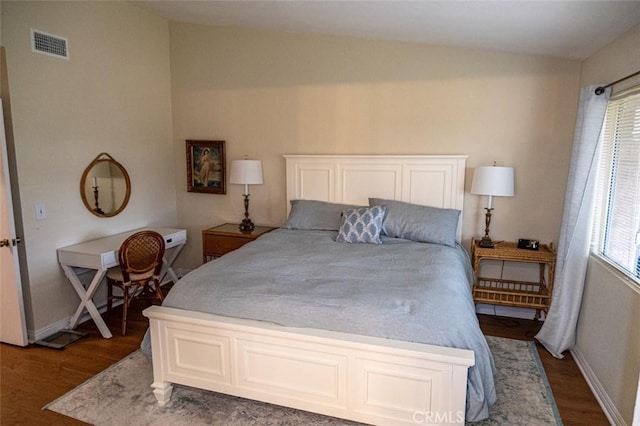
<point x="113" y="95"/>
<point x="266" y="94"/>
<point x="608" y="341"/>
<point x="269" y="93"/>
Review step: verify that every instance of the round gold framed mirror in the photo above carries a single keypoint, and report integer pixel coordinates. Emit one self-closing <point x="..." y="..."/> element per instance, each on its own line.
<point x="105" y="186"/>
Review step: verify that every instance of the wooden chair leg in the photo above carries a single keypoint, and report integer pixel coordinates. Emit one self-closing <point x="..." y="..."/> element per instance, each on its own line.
<point x="125" y="308"/>
<point x="158" y="292"/>
<point x="109" y="297"/>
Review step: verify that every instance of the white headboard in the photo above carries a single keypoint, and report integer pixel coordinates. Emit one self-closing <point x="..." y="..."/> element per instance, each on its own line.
<point x="431" y="180"/>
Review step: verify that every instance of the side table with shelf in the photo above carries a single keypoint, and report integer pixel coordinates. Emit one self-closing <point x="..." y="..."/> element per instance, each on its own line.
<point x="220" y="240"/>
<point x="522" y="294"/>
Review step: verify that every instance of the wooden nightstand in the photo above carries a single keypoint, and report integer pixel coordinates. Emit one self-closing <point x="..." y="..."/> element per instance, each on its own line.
<point x="522" y="294"/>
<point x="222" y="239"/>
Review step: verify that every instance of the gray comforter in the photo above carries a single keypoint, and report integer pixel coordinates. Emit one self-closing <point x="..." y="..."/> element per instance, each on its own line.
<point x="399" y="289"/>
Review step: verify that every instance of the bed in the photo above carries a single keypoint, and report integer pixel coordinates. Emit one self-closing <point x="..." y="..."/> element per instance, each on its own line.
<point x="379" y="331"/>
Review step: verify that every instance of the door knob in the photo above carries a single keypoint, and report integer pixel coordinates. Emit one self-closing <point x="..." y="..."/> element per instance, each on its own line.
<point x="6" y="243"/>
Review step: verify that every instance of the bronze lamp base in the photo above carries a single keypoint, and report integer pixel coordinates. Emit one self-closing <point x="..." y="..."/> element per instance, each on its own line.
<point x="486" y="242"/>
<point x="247" y="225"/>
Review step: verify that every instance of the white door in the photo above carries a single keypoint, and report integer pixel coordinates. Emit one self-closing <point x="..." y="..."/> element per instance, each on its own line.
<point x="13" y="328"/>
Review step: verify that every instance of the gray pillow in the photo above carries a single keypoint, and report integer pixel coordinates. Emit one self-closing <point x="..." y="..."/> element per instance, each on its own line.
<point x="419" y="223"/>
<point x="361" y="225"/>
<point x="315" y="215"/>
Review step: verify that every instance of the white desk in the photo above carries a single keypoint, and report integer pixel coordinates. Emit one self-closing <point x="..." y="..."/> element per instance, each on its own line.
<point x="102" y="254"/>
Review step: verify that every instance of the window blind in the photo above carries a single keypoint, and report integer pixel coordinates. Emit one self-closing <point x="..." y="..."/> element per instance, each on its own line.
<point x="617" y="220"/>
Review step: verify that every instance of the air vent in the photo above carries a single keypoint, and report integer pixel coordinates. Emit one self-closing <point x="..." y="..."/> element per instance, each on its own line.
<point x="48" y="44"/>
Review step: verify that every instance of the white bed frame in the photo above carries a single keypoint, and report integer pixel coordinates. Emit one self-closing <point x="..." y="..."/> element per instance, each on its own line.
<point x="366" y="379"/>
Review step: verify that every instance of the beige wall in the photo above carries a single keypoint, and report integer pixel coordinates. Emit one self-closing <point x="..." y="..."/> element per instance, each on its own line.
<point x="608" y="336"/>
<point x="270" y="93"/>
<point x="113" y="96"/>
<point x="266" y="94"/>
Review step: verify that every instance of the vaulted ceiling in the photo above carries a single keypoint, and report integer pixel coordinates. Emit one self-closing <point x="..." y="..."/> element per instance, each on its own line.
<point x="573" y="29"/>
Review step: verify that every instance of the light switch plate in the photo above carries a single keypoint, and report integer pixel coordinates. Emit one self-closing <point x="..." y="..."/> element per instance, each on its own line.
<point x="41" y="211"/>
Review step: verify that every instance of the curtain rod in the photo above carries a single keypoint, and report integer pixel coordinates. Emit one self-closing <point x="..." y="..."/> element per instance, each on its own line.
<point x="600" y="90"/>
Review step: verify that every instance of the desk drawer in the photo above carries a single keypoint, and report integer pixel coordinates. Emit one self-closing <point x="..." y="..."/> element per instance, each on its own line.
<point x="175" y="238"/>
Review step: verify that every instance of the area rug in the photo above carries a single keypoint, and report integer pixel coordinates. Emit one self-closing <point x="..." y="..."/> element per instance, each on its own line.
<point x="121" y="395"/>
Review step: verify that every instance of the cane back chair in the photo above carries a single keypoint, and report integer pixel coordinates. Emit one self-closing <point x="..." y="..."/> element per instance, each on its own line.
<point x="138" y="275"/>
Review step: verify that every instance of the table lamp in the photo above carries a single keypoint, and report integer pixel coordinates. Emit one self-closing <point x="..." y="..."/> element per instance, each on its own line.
<point x="493" y="181"/>
<point x="246" y="172"/>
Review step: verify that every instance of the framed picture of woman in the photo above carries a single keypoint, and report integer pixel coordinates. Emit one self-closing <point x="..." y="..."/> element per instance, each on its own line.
<point x="206" y="167"/>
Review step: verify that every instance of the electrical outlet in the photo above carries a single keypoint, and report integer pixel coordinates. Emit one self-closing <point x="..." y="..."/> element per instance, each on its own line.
<point x="41" y="211"/>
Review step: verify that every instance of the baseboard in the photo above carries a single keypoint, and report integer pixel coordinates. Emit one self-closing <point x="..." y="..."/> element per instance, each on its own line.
<point x="507" y="311"/>
<point x="41" y="333"/>
<point x="607" y="405"/>
<point x="63" y="324"/>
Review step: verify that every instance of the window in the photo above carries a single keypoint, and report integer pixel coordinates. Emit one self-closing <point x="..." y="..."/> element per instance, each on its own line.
<point x="617" y="224"/>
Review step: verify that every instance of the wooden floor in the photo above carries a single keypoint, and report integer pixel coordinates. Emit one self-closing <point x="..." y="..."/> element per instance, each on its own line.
<point x="34" y="376"/>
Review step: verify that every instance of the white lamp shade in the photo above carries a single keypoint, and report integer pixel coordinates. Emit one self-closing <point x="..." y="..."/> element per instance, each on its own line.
<point x="247" y="172"/>
<point x="493" y="180"/>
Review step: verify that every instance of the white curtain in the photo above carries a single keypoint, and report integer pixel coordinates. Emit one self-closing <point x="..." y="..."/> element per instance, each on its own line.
<point x="559" y="330"/>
